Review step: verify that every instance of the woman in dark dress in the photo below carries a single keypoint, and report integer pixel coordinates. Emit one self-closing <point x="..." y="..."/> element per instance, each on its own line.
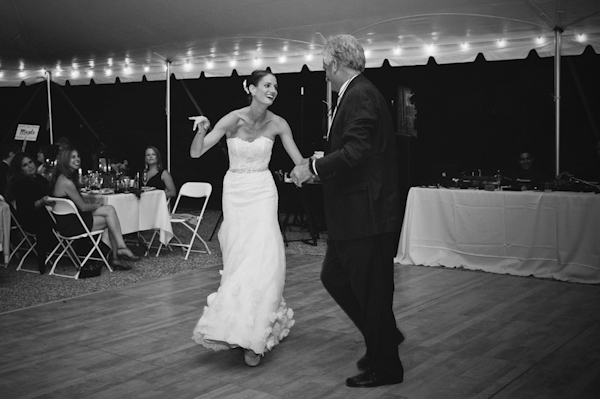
<point x="156" y="175"/>
<point x="65" y="184"/>
<point x="29" y="190"/>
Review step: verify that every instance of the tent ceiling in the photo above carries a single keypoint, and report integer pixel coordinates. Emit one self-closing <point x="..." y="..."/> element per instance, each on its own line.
<point x="105" y="39"/>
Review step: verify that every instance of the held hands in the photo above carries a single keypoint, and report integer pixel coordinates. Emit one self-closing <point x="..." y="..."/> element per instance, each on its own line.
<point x="300" y="174"/>
<point x="200" y="122"/>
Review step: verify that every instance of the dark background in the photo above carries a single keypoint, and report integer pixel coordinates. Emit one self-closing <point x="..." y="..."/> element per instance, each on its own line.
<point x="469" y="116"/>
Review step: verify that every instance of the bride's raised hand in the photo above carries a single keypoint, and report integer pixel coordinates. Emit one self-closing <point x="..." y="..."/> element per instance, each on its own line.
<point x="200" y="122"/>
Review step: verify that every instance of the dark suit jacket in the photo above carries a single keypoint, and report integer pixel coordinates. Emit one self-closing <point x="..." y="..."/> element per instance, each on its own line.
<point x="359" y="170"/>
<point x="4" y="168"/>
<point x="26" y="190"/>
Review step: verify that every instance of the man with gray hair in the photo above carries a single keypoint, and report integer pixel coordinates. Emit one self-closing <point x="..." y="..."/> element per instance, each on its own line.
<point x="362" y="210"/>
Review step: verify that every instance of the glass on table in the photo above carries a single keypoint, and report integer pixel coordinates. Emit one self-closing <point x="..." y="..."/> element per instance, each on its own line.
<point x="126" y="183"/>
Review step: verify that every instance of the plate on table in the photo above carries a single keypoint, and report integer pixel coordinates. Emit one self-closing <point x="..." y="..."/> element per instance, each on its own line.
<point x="106" y="191"/>
<point x="146" y="188"/>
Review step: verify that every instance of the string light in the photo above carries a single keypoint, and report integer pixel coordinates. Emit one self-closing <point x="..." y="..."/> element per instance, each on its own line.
<point x="76" y="72"/>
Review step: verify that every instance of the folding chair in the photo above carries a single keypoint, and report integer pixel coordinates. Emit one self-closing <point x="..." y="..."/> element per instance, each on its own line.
<point x="191" y="222"/>
<point x="63" y="206"/>
<point x="27" y="241"/>
<point x="155" y="232"/>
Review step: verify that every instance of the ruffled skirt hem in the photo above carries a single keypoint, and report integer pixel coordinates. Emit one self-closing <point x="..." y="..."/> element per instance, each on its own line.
<point x="281" y="322"/>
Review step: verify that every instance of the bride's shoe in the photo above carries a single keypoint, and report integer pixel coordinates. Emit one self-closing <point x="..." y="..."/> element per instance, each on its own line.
<point x="251" y="358"/>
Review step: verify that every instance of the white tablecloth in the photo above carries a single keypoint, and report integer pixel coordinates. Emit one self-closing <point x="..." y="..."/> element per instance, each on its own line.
<point x="552" y="235"/>
<point x="148" y="212"/>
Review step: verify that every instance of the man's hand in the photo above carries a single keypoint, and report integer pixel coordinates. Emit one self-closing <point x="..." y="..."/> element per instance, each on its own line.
<point x="300" y="174"/>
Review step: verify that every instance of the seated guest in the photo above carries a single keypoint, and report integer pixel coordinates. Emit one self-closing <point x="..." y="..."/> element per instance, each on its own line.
<point x="63" y="143"/>
<point x="44" y="156"/>
<point x="65" y="184"/>
<point x="6" y="155"/>
<point x="29" y="190"/>
<point x="156" y="175"/>
<point x="527" y="175"/>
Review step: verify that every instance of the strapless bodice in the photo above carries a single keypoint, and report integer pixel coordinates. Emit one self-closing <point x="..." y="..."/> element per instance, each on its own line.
<point x="249" y="156"/>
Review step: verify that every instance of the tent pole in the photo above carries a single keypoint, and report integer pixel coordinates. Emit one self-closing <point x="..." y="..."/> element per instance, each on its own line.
<point x="48" y="79"/>
<point x="168" y="111"/>
<point x="557" y="46"/>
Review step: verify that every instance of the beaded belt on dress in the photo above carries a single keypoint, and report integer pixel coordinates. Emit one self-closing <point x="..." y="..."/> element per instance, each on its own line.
<point x="248" y="170"/>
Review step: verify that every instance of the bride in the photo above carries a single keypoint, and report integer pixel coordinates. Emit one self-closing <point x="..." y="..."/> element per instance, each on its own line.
<point x="248" y="309"/>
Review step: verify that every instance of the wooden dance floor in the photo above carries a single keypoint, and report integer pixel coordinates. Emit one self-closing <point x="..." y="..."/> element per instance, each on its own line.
<point x="468" y="335"/>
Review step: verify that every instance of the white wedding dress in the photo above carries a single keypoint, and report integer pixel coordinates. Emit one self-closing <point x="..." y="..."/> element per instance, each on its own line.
<point x="248" y="310"/>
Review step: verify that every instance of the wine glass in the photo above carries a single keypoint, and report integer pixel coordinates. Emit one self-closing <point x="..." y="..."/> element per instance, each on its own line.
<point x="126" y="182"/>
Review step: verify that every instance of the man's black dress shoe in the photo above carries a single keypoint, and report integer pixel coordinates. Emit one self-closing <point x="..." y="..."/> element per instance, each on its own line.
<point x="371" y="378"/>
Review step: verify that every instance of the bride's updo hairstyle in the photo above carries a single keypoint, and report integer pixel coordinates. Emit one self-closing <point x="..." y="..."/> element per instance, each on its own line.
<point x="253" y="80"/>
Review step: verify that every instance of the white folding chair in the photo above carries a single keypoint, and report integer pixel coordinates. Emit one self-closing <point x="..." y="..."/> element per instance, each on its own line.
<point x="63" y="206"/>
<point x="191" y="222"/>
<point x="155" y="233"/>
<point x="27" y="241"/>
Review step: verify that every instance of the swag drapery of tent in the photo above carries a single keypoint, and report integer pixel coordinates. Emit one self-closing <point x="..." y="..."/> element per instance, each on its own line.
<point x="152" y="39"/>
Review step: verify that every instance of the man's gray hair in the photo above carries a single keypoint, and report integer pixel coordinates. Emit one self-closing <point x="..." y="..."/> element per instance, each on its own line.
<point x="346" y="50"/>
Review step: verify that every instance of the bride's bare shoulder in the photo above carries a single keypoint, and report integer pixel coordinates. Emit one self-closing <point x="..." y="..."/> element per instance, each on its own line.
<point x="232" y="119"/>
<point x="278" y="121"/>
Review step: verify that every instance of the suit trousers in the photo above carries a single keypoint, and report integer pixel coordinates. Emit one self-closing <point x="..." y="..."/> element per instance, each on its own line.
<point x="359" y="275"/>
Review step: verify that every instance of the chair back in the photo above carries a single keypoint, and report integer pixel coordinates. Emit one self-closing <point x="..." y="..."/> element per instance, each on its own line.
<point x="64" y="206"/>
<point x="194" y="190"/>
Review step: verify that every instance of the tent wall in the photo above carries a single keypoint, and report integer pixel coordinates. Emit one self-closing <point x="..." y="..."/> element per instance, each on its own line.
<point x="475" y="115"/>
